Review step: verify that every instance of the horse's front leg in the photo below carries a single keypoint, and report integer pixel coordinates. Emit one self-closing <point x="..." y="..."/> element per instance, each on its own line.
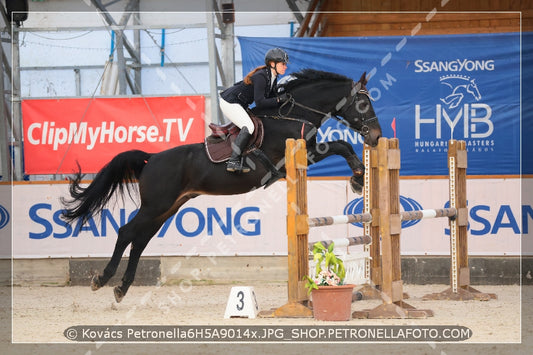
<point x="323" y="150"/>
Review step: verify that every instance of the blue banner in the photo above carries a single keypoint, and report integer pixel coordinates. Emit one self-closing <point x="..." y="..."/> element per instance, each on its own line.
<point x="427" y="90"/>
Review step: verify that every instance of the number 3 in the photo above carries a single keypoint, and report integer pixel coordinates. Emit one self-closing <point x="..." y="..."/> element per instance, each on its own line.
<point x="240" y="305"/>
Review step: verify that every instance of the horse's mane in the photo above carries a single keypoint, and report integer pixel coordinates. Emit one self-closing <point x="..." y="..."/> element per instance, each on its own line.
<point x="311" y="75"/>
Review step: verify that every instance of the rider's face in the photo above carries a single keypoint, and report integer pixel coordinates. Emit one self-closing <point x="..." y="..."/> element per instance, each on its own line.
<point x="281" y="67"/>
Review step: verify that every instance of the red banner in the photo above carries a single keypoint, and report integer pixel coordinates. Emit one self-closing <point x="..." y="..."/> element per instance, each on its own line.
<point x="57" y="133"/>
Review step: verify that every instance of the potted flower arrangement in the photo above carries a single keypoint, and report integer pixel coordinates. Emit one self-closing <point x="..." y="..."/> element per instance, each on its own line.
<point x="331" y="298"/>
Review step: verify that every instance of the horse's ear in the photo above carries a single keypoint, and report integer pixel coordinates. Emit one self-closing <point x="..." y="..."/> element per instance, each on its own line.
<point x="363" y="79"/>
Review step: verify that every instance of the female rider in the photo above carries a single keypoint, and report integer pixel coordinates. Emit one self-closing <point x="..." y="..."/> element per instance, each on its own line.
<point x="258" y="86"/>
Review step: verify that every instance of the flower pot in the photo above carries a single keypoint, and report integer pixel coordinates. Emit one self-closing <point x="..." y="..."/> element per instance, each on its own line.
<point x="332" y="302"/>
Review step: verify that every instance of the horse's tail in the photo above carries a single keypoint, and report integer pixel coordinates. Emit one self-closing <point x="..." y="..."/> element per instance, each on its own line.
<point x="117" y="174"/>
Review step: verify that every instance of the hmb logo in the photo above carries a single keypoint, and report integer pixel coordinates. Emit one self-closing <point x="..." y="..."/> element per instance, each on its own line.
<point x="460" y="86"/>
<point x="460" y="115"/>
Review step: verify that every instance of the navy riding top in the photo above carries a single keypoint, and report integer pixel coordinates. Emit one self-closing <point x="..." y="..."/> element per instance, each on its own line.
<point x="262" y="91"/>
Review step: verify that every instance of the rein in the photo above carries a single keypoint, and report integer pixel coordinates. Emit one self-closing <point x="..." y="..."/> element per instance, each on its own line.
<point x="293" y="103"/>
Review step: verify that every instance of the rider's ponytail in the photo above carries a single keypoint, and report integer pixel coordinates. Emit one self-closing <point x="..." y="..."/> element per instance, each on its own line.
<point x="248" y="78"/>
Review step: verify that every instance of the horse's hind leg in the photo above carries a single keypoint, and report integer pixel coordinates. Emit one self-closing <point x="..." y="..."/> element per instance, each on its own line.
<point x="100" y="280"/>
<point x="136" y="250"/>
<point x="140" y="230"/>
<point x="129" y="233"/>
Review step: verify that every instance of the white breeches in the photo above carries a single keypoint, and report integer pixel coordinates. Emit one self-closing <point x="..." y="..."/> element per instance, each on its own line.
<point x="236" y="114"/>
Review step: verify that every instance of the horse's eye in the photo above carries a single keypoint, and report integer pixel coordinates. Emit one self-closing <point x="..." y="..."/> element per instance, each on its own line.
<point x="362" y="105"/>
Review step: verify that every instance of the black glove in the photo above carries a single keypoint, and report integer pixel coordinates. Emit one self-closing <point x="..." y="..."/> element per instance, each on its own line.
<point x="283" y="98"/>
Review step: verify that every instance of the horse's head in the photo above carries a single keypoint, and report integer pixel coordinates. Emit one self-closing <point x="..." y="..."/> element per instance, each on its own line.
<point x="318" y="95"/>
<point x="357" y="111"/>
<point x="472" y="89"/>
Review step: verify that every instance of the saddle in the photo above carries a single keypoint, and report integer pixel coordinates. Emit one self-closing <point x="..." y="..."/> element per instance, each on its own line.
<point x="218" y="144"/>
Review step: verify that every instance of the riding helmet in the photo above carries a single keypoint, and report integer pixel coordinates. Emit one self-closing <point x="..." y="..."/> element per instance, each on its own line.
<point x="276" y="55"/>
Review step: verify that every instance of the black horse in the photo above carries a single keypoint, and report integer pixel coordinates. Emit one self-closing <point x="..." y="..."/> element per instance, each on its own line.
<point x="170" y="178"/>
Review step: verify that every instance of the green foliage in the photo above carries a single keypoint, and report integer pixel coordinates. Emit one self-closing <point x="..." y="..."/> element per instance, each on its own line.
<point x="326" y="261"/>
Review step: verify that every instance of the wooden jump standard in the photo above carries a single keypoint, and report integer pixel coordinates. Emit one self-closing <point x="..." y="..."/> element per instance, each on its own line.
<point x="386" y="157"/>
<point x="382" y="217"/>
<point x="298" y="225"/>
<point x="384" y="205"/>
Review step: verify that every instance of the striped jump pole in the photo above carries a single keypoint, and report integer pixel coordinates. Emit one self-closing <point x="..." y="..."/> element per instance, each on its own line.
<point x="341" y="219"/>
<point x="422" y="214"/>
<point x="343" y="242"/>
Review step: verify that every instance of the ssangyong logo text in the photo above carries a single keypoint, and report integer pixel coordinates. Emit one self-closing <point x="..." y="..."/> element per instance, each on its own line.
<point x="188" y="222"/>
<point x="457" y="65"/>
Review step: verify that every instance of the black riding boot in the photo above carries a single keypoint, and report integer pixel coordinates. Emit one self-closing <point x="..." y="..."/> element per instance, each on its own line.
<point x="235" y="163"/>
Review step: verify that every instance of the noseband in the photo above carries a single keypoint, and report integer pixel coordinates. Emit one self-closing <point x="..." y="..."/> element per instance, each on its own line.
<point x="344" y="105"/>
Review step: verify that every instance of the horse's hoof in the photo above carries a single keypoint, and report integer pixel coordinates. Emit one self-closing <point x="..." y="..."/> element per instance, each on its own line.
<point x="356" y="187"/>
<point x="95" y="283"/>
<point x="119" y="295"/>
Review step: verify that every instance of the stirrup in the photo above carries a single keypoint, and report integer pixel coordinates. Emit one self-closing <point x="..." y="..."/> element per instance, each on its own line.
<point x="237" y="166"/>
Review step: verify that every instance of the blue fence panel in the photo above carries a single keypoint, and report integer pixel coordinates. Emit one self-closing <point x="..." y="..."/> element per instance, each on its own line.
<point x="433" y="88"/>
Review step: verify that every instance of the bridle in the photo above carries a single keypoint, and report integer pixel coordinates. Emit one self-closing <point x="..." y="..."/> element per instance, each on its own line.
<point x="365" y="130"/>
<point x="342" y="106"/>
